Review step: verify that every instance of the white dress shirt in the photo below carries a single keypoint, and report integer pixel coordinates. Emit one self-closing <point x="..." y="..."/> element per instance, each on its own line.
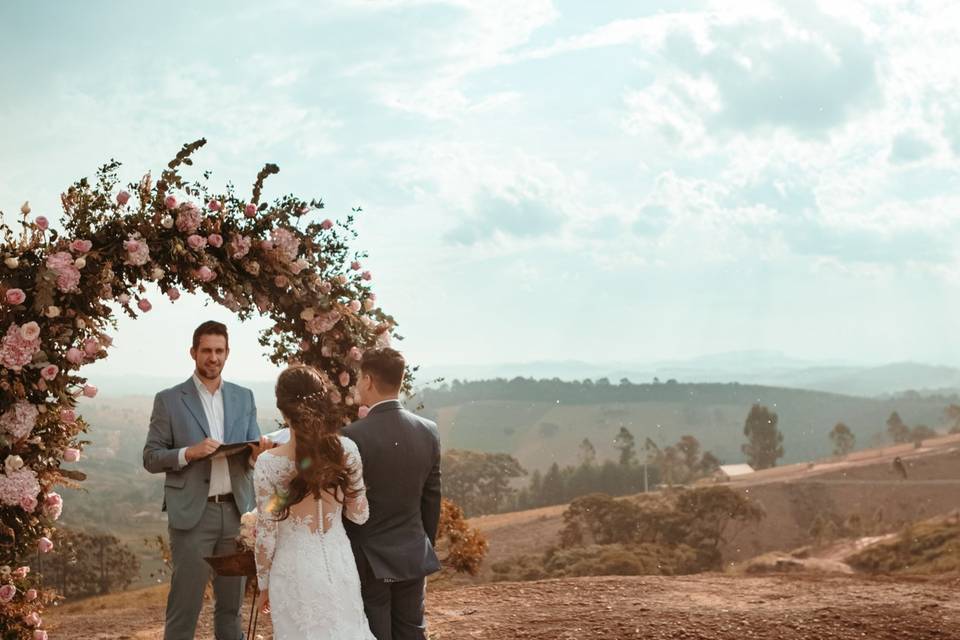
<point x="213" y="410"/>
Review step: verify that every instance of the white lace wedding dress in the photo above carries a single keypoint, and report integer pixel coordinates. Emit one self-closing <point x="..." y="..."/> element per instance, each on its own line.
<point x="306" y="561"/>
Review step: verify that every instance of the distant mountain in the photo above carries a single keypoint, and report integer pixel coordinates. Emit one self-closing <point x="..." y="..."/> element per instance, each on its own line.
<point x="768" y="368"/>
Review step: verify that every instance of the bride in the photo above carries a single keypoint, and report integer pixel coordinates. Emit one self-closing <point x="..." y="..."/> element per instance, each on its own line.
<point x="305" y="566"/>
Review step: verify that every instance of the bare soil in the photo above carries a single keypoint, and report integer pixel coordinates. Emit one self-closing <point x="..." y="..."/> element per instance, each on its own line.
<point x="707" y="607"/>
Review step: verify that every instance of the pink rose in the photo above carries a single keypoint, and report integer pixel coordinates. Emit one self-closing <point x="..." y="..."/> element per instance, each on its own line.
<point x="372" y="296"/>
<point x="31" y="595"/>
<point x="250" y="210"/>
<point x="144" y="305"/>
<point x="123" y="298"/>
<point x="15" y="296"/>
<point x="215" y="205"/>
<point x="91" y="346"/>
<point x="45" y="545"/>
<point x="326" y="224"/>
<point x="42" y="223"/>
<point x="355" y="265"/>
<point x="71" y="455"/>
<point x="7" y="592"/>
<point x="122" y="198"/>
<point x="341" y="279"/>
<point x="215" y="240"/>
<point x="368" y="304"/>
<point x="105" y="340"/>
<point x="173" y="293"/>
<point x="89" y="391"/>
<point x="68" y="415"/>
<point x="299" y="265"/>
<point x="33" y="619"/>
<point x="21" y="572"/>
<point x="363" y="411"/>
<point x="325" y="287"/>
<point x="49" y="372"/>
<point x="74" y="355"/>
<point x="52" y="506"/>
<point x="354" y="305"/>
<point x="205" y="274"/>
<point x="355" y="353"/>
<point x="281" y="281"/>
<point x="28" y="503"/>
<point x="81" y="246"/>
<point x="266" y="245"/>
<point x="30" y="331"/>
<point x="196" y="242"/>
<point x="344" y="379"/>
<point x="170" y="202"/>
<point x="39" y="634"/>
<point x="367" y="275"/>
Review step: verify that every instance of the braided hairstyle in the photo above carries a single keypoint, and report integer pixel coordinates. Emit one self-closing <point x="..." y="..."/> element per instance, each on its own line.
<point x="304" y="399"/>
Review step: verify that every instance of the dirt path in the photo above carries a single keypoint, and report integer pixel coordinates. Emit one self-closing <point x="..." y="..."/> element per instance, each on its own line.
<point x="704" y="607"/>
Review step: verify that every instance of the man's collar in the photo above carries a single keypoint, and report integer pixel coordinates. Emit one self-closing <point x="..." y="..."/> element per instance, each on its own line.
<point x="202" y="387"/>
<point x="394" y="401"/>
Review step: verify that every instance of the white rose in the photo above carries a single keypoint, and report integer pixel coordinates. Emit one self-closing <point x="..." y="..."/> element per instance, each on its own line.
<point x="13" y="463"/>
<point x="157" y="273"/>
<point x="167" y="221"/>
<point x="307" y="314"/>
<point x="80" y="263"/>
<point x="12" y="262"/>
<point x="25" y="209"/>
<point x="53" y="311"/>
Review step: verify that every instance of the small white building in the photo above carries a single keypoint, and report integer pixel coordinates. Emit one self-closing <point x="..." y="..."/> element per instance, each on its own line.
<point x="728" y="472"/>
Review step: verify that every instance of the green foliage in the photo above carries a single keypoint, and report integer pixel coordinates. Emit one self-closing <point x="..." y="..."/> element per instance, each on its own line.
<point x="843" y="439"/>
<point x="88" y="563"/>
<point x="764" y="444"/>
<point x="480" y="482"/>
<point x="665" y="533"/>
<point x="929" y="547"/>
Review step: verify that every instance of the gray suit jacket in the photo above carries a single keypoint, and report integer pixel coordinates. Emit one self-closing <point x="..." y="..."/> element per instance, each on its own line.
<point x="401" y="468"/>
<point x="178" y="421"/>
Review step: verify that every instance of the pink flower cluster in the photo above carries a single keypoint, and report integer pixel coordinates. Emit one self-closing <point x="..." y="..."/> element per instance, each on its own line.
<point x="68" y="276"/>
<point x="138" y="252"/>
<point x="323" y="322"/>
<point x="19" y="420"/>
<point x="15" y="296"/>
<point x="239" y="246"/>
<point x="285" y="244"/>
<point x="19" y="345"/>
<point x="52" y="506"/>
<point x="17" y="485"/>
<point x="188" y="218"/>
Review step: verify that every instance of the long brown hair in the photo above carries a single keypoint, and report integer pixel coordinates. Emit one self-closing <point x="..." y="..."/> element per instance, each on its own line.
<point x="305" y="401"/>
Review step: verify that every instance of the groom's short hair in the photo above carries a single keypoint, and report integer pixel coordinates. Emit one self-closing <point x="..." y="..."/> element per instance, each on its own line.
<point x="386" y="366"/>
<point x="210" y="328"/>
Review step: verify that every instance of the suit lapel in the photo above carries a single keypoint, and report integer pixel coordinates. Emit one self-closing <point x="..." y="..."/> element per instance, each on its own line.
<point x="192" y="401"/>
<point x="227" y="395"/>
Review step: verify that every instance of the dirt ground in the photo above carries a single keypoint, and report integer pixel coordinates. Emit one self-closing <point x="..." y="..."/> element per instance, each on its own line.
<point x="702" y="607"/>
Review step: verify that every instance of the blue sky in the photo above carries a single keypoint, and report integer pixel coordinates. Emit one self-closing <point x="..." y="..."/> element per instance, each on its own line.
<point x="541" y="180"/>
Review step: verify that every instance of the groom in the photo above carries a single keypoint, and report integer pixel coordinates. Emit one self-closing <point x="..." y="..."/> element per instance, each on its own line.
<point x="204" y="497"/>
<point x="401" y="469"/>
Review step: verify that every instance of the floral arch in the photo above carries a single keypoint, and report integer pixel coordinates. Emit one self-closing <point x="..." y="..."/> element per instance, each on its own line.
<point x="281" y="260"/>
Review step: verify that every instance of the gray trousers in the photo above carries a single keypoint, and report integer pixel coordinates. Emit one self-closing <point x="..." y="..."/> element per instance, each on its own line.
<point x="215" y="534"/>
<point x="395" y="610"/>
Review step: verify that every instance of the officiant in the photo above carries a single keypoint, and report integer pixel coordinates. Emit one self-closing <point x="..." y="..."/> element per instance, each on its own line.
<point x="205" y="491"/>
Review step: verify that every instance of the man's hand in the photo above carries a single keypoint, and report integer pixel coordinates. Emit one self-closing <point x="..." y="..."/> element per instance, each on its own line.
<point x="201" y="449"/>
<point x="257" y="449"/>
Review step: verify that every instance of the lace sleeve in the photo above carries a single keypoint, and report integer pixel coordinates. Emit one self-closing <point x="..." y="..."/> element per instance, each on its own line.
<point x="266" y="523"/>
<point x="355" y="507"/>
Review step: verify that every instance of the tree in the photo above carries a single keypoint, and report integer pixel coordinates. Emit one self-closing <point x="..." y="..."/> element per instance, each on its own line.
<point x="843" y="439"/>
<point x="896" y="429"/>
<point x="624" y="443"/>
<point x="921" y="432"/>
<point x="553" y="487"/>
<point x="460" y="547"/>
<point x="86" y="564"/>
<point x="764" y="441"/>
<point x="588" y="453"/>
<point x="480" y="482"/>
<point x="952" y="414"/>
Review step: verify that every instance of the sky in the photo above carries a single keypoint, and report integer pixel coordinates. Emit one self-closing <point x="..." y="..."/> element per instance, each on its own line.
<point x="540" y="180"/>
